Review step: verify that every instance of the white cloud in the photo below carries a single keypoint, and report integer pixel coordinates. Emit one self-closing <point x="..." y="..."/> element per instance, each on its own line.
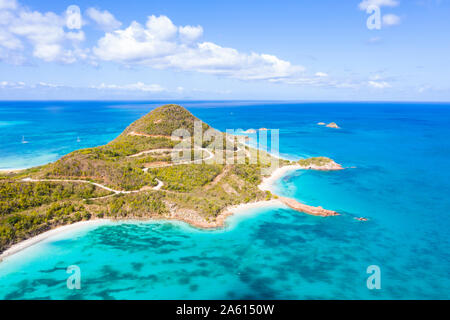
<point x="363" y="5"/>
<point x="104" y="19"/>
<point x="38" y="28"/>
<point x="321" y="74"/>
<point x="12" y="85"/>
<point x="8" y="4"/>
<point x="76" y="36"/>
<point x="378" y="84"/>
<point x="391" y="20"/>
<point x="138" y="86"/>
<point x="190" y="33"/>
<point x="134" y="44"/>
<point x="47" y="52"/>
<point x="160" y="28"/>
<point x="8" y="41"/>
<point x="45" y="33"/>
<point x="207" y="57"/>
<point x="158" y="46"/>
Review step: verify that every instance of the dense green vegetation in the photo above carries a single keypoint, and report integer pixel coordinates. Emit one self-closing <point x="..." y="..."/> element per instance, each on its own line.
<point x="121" y="175"/>
<point x="185" y="178"/>
<point x="19" y="226"/>
<point x="125" y="146"/>
<point x="19" y="196"/>
<point x="135" y="205"/>
<point x="318" y="161"/>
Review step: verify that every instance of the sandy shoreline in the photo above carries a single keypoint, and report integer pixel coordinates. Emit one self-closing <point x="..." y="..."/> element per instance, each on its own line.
<point x="268" y="183"/>
<point x="36" y="239"/>
<point x="218" y="223"/>
<point x="11" y="170"/>
<point x="240" y="208"/>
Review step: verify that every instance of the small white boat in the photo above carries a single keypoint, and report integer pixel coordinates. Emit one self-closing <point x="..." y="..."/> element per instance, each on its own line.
<point x="78" y="139"/>
<point x="23" y="140"/>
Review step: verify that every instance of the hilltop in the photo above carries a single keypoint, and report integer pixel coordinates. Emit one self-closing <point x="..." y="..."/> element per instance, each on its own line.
<point x="164" y="120"/>
<point x="136" y="177"/>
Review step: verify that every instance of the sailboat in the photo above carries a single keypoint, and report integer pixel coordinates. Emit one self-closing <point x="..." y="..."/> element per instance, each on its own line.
<point x="78" y="139"/>
<point x="23" y="140"/>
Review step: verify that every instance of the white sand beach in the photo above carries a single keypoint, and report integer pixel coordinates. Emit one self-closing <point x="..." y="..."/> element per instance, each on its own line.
<point x="242" y="208"/>
<point x="6" y="171"/>
<point x="29" y="242"/>
<point x="268" y="183"/>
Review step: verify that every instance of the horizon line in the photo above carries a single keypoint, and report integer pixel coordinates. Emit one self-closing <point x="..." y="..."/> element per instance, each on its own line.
<point x="227" y="100"/>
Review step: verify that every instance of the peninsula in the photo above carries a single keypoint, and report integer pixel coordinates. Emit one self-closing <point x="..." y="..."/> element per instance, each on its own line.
<point x="136" y="176"/>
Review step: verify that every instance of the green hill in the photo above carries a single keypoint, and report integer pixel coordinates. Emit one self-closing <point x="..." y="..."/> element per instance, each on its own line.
<point x="164" y="120"/>
<point x="131" y="165"/>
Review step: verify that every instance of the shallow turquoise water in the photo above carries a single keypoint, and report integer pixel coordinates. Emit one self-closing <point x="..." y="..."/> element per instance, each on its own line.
<point x="398" y="153"/>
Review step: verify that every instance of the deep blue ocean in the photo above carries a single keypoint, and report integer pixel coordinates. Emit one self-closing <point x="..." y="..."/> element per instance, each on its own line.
<point x="398" y="176"/>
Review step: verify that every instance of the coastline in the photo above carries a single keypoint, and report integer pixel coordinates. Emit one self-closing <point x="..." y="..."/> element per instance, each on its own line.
<point x="267" y="183"/>
<point x="16" y="248"/>
<point x="6" y="171"/>
<point x="193" y="218"/>
<point x="218" y="223"/>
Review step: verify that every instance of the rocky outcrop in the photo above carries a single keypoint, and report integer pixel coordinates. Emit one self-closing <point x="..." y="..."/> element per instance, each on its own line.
<point x="319" y="163"/>
<point x="333" y="125"/>
<point x="330" y="166"/>
<point x="315" y="211"/>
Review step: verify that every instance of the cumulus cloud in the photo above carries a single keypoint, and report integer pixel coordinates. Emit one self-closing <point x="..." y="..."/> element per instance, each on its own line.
<point x="52" y="37"/>
<point x="190" y="33"/>
<point x="8" y="41"/>
<point x="138" y="86"/>
<point x="160" y="44"/>
<point x="391" y="20"/>
<point x="363" y="5"/>
<point x="8" y="4"/>
<point x="321" y="74"/>
<point x="160" y="28"/>
<point x="104" y="19"/>
<point x="134" y="44"/>
<point x="12" y="84"/>
<point x="378" y="84"/>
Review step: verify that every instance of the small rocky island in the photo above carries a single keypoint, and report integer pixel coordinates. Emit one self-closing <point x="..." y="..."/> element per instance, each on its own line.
<point x="330" y="125"/>
<point x="135" y="177"/>
<point x="333" y="125"/>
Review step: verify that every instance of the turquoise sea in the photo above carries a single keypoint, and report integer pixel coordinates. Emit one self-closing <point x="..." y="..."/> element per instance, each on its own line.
<point x="398" y="156"/>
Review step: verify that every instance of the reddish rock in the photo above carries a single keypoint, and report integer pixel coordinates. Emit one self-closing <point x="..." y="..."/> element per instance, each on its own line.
<point x="315" y="211"/>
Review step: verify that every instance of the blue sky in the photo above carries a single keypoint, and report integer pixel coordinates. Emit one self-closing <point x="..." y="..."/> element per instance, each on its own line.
<point x="288" y="50"/>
